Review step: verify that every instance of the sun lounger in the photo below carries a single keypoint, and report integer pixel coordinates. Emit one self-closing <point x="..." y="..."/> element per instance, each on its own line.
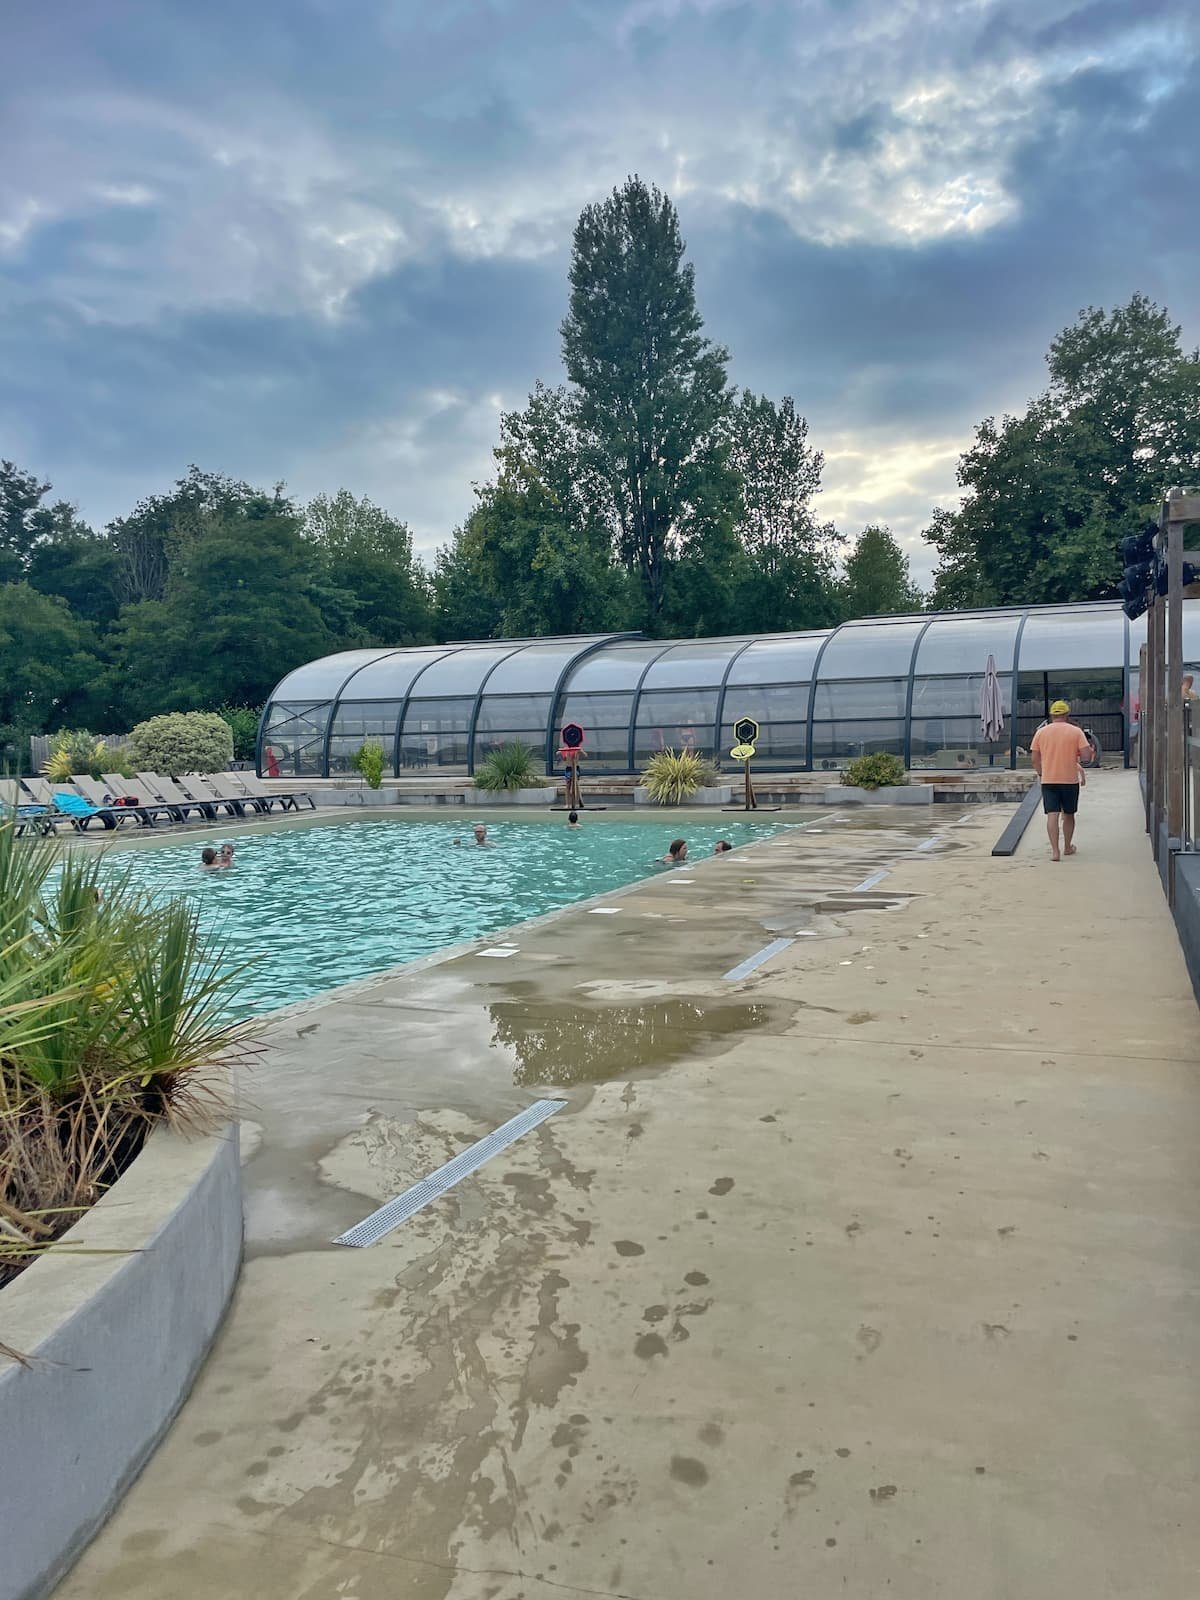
<point x="257" y="790"/>
<point x="29" y="816"/>
<point x="80" y="813"/>
<point x="199" y="789"/>
<point x="223" y="785"/>
<point x="165" y="789"/>
<point x="100" y="795"/>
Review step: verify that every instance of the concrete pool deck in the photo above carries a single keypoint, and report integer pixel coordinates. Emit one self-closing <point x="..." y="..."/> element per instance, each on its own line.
<point x="873" y="1273"/>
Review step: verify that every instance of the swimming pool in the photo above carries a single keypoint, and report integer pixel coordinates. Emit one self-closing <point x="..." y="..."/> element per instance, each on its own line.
<point x="324" y="904"/>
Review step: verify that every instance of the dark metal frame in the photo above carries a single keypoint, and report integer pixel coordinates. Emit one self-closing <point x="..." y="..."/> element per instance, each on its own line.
<point x="568" y="669"/>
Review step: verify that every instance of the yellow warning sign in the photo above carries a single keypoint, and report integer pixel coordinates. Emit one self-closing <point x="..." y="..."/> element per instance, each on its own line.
<point x="742" y="752"/>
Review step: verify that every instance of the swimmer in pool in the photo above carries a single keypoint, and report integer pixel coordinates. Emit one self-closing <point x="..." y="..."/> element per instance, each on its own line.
<point x="481" y="838"/>
<point x="721" y="846"/>
<point x="208" y="859"/>
<point x="225" y="855"/>
<point x="677" y="854"/>
<point x="573" y="819"/>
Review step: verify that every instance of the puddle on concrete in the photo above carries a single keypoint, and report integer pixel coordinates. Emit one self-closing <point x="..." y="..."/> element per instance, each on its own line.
<point x="595" y="1044"/>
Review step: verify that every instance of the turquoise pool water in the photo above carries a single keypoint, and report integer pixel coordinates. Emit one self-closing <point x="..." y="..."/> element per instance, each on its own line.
<point x="322" y="905"/>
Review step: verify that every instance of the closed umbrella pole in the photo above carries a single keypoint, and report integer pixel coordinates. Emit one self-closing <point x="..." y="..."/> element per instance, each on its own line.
<point x="991" y="709"/>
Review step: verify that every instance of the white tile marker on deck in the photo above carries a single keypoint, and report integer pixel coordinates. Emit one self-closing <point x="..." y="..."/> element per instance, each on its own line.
<point x="406" y="1205"/>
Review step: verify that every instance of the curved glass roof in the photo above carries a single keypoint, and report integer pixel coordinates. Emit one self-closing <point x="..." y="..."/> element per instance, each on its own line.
<point x="908" y="683"/>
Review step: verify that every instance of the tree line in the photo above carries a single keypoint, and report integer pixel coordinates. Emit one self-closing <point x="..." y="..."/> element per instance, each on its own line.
<point x="645" y="492"/>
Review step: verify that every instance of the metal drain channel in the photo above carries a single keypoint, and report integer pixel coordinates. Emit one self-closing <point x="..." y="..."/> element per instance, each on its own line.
<point x="745" y="968"/>
<point x="405" y="1205"/>
<point x="871" y="881"/>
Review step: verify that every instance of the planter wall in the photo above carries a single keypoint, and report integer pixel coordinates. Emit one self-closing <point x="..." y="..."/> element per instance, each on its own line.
<point x="717" y="795"/>
<point x="516" y="797"/>
<point x="906" y="794"/>
<point x="114" y="1342"/>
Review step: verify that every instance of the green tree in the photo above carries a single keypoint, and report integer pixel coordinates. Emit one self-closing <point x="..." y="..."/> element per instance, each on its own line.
<point x="369" y="554"/>
<point x="788" y="580"/>
<point x="1049" y="494"/>
<point x="651" y="388"/>
<point x="47" y="660"/>
<point x="239" y="612"/>
<point x="26" y="524"/>
<point x="81" y="567"/>
<point x="148" y="540"/>
<point x="877" y="581"/>
<point x="464" y="606"/>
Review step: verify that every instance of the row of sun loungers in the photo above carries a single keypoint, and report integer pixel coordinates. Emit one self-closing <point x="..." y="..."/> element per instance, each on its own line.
<point x="41" y="807"/>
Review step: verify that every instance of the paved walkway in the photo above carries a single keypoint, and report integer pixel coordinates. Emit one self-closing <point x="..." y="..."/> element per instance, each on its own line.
<point x="874" y="1274"/>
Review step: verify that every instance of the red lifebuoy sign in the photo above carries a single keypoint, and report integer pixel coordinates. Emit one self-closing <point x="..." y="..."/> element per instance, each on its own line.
<point x="572" y="736"/>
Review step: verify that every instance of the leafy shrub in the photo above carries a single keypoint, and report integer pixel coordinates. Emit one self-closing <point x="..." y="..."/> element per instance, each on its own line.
<point x="507" y="768"/>
<point x="878" y="771"/>
<point x="672" y="776"/>
<point x="183" y="741"/>
<point x="111" y="1020"/>
<point x="368" y="759"/>
<point x="243" y="724"/>
<point x="14" y="749"/>
<point x="75" y="750"/>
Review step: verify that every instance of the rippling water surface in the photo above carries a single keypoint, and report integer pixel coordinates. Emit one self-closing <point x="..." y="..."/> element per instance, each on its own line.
<point x="325" y="904"/>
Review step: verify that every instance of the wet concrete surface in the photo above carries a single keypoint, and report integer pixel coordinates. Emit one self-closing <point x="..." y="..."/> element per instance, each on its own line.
<point x="873" y="1273"/>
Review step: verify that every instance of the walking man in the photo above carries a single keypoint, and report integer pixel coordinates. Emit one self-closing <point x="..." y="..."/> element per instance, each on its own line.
<point x="1058" y="748"/>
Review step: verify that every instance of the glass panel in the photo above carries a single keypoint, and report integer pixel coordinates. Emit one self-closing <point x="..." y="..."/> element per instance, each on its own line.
<point x="786" y="659"/>
<point x="1095" y="699"/>
<point x="391" y="676"/>
<point x="964" y="644"/>
<point x="877" y="697"/>
<point x="293" y="742"/>
<point x="688" y="664"/>
<point x="955" y="742"/>
<point x="534" y="742"/>
<point x="836" y="743"/>
<point x="616" y="666"/>
<point x="321" y="680"/>
<point x="1091" y="637"/>
<point x="594" y="711"/>
<point x="435" y="734"/>
<point x="356" y="721"/>
<point x="462" y="671"/>
<point x="676" y="719"/>
<point x="536" y="668"/>
<point x="781" y="702"/>
<point x="780" y="743"/>
<point x="606" y="750"/>
<point x="513" y="712"/>
<point x="871" y="650"/>
<point x="956" y="697"/>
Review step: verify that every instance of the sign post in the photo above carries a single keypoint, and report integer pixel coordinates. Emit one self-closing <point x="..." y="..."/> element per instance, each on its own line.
<point x="572" y="749"/>
<point x="745" y="731"/>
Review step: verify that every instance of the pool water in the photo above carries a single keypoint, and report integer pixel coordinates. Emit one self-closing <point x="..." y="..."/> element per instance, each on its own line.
<point x="321" y="905"/>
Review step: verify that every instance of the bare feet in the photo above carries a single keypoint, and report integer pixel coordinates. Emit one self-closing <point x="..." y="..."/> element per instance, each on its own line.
<point x="1054" y="856"/>
<point x="1070" y="850"/>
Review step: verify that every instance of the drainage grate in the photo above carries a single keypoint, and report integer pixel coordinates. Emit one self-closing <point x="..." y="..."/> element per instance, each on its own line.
<point x="405" y="1205"/>
<point x="745" y="968"/>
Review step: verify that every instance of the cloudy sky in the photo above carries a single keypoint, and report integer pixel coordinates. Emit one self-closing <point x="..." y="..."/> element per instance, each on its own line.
<point x="325" y="241"/>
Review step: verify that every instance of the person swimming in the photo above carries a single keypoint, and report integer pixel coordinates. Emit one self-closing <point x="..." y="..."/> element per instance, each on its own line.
<point x="208" y="859"/>
<point x="677" y="853"/>
<point x="225" y="855"/>
<point x="481" y="838"/>
<point x="721" y="846"/>
<point x="572" y="819"/>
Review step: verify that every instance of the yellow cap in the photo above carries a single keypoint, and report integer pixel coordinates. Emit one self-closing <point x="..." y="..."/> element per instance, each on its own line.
<point x="1060" y="708"/>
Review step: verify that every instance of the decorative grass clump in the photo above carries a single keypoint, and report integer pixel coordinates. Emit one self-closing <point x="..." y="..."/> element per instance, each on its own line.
<point x="112" y="1020"/>
<point x="507" y="768"/>
<point x="673" y="776"/>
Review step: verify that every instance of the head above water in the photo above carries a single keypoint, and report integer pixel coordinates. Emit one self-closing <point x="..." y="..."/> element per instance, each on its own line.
<point x="208" y="856"/>
<point x="721" y="846"/>
<point x="480" y="830"/>
<point x="678" y="849"/>
<point x="572" y="817"/>
<point x="1060" y="709"/>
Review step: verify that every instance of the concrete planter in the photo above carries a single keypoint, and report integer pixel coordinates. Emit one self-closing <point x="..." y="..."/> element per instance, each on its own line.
<point x="114" y="1344"/>
<point x="514" y="797"/>
<point x="716" y="795"/>
<point x="899" y="794"/>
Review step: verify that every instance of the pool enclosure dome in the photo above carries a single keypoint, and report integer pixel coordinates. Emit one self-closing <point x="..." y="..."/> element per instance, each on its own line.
<point x="907" y="684"/>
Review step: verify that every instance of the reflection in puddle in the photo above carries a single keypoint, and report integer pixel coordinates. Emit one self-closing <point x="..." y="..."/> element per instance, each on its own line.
<point x="595" y="1044"/>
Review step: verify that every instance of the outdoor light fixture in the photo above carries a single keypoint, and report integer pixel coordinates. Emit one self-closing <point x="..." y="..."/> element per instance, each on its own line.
<point x="1160" y="576"/>
<point x="1137" y="552"/>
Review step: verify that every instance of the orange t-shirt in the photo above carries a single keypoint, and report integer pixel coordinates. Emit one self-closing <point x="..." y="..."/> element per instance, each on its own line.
<point x="1061" y="746"/>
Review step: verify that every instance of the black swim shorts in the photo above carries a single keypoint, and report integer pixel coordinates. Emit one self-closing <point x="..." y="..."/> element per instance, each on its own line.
<point x="1062" y="797"/>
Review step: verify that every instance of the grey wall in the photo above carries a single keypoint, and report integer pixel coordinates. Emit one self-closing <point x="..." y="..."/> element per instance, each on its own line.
<point x="114" y="1343"/>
